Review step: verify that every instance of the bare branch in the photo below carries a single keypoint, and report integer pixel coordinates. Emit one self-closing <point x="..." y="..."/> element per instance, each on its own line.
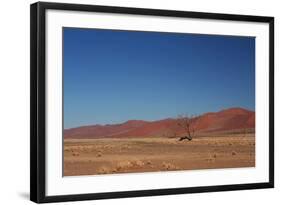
<point x="188" y="124"/>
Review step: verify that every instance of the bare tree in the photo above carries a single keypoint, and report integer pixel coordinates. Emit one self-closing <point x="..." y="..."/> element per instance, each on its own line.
<point x="187" y="123"/>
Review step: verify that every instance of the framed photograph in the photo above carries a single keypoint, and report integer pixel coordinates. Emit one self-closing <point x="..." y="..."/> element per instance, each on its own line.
<point x="129" y="102"/>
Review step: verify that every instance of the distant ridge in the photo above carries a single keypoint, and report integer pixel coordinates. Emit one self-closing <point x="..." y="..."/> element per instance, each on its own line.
<point x="224" y="120"/>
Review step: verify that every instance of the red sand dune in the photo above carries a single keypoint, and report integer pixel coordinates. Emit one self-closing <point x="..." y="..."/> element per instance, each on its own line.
<point x="229" y="119"/>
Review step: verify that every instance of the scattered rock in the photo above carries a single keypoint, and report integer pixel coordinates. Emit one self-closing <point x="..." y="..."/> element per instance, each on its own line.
<point x="104" y="170"/>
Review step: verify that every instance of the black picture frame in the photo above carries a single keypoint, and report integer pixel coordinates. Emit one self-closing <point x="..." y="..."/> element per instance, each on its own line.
<point x="38" y="108"/>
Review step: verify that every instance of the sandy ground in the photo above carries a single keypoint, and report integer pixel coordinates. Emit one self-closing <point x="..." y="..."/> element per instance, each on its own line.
<point x="125" y="155"/>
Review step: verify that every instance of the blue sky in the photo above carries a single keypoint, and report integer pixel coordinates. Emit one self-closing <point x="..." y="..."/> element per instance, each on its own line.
<point x="114" y="76"/>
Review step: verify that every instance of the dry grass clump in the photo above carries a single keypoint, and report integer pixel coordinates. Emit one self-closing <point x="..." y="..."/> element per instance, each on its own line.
<point x="67" y="149"/>
<point x="126" y="147"/>
<point x="148" y="162"/>
<point x="138" y="163"/>
<point x="169" y="166"/>
<point x="123" y="165"/>
<point x="209" y="159"/>
<point x="75" y="154"/>
<point x="99" y="154"/>
<point x="212" y="157"/>
<point x="107" y="146"/>
<point x="104" y="170"/>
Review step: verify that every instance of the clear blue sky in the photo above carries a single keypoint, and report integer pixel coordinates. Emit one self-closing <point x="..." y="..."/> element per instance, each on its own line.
<point x="114" y="76"/>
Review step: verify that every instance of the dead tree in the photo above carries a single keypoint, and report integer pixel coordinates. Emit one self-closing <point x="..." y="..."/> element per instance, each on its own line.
<point x="188" y="125"/>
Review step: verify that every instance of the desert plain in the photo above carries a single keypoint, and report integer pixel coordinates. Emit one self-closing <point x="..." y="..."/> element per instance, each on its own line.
<point x="149" y="154"/>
